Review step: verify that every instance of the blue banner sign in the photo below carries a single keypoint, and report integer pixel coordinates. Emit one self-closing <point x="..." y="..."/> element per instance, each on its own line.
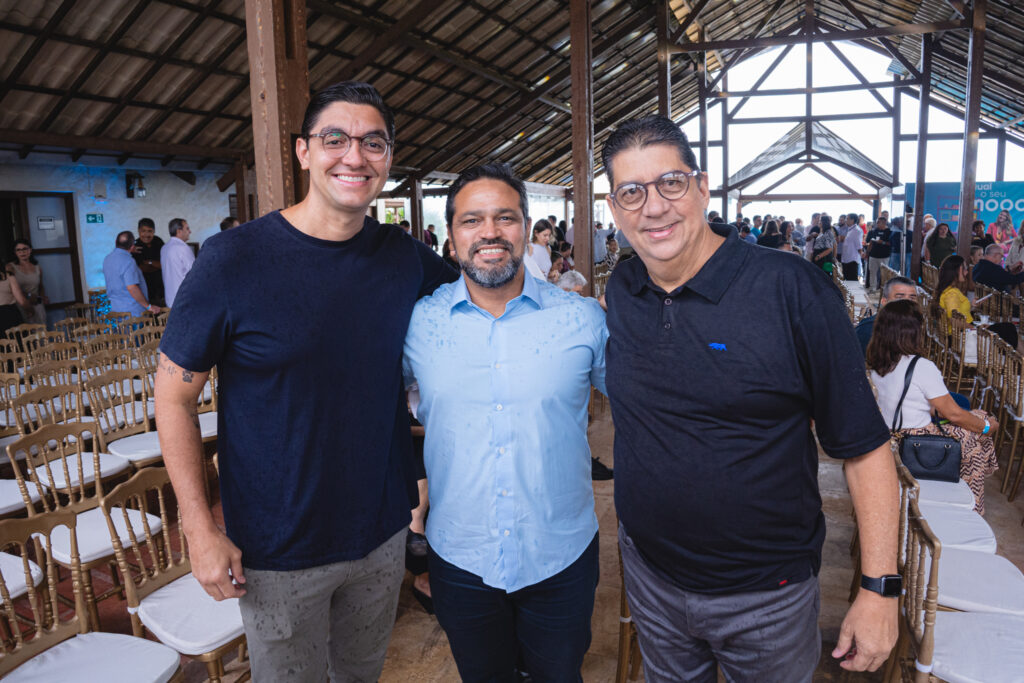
<point x="942" y="200"/>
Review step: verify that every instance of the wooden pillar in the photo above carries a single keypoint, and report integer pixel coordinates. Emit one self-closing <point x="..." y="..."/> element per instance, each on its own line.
<point x="897" y="95"/>
<point x="808" y="74"/>
<point x="279" y="87"/>
<point x="565" y="210"/>
<point x="972" y="118"/>
<point x="416" y="208"/>
<point x="1001" y="158"/>
<point x="702" y="102"/>
<point x="922" y="156"/>
<point x="242" y="192"/>
<point x="664" y="59"/>
<point x="725" y="147"/>
<point x="581" y="59"/>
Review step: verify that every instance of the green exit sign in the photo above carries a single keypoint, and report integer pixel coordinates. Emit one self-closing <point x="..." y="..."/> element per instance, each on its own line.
<point x="94" y="218"/>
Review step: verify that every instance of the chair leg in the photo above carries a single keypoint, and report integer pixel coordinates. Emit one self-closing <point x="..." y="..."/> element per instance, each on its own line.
<point x="215" y="670"/>
<point x="1009" y="458"/>
<point x="625" y="624"/>
<point x="90" y="599"/>
<point x="1020" y="468"/>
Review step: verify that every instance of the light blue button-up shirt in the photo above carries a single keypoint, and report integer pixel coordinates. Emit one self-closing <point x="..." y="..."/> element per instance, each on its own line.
<point x="119" y="271"/>
<point x="504" y="404"/>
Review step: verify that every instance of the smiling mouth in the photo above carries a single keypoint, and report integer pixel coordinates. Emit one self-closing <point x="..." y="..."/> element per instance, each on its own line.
<point x="659" y="232"/>
<point x="345" y="178"/>
<point x="491" y="251"/>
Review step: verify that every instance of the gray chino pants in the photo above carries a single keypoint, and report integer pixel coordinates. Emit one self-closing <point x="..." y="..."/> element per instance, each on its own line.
<point x="331" y="620"/>
<point x="764" y="636"/>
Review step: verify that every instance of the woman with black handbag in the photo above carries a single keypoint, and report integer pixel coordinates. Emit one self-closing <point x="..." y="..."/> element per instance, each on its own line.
<point x="910" y="387"/>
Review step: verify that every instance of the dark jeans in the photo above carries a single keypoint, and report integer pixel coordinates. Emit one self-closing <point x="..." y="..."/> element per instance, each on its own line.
<point x="546" y="626"/>
<point x="851" y="270"/>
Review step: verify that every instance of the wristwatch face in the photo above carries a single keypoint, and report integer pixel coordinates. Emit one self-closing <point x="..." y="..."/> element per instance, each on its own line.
<point x="892" y="585"/>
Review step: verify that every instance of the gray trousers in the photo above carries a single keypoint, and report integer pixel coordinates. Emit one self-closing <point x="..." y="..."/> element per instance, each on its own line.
<point x="875" y="271"/>
<point x="334" y="620"/>
<point x="764" y="636"/>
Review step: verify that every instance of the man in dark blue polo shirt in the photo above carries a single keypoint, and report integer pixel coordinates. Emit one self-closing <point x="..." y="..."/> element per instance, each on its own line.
<point x="720" y="356"/>
<point x="304" y="313"/>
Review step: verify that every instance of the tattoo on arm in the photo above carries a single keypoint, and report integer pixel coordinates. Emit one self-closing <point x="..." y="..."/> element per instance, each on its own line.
<point x="186" y="376"/>
<point x="171" y="369"/>
<point x="195" y="419"/>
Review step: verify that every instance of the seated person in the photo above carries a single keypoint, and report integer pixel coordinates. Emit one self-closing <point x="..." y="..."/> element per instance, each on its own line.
<point x="989" y="271"/>
<point x="951" y="295"/>
<point x="898" y="337"/>
<point x="896" y="288"/>
<point x="572" y="281"/>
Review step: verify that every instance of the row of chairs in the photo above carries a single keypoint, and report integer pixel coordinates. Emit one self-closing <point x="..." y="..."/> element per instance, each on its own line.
<point x="136" y="528"/>
<point x="966" y="623"/>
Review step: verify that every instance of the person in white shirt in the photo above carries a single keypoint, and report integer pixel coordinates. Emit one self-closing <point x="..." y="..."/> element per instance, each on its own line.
<point x="897" y="339"/>
<point x="851" y="249"/>
<point x="176" y="258"/>
<point x="601" y="242"/>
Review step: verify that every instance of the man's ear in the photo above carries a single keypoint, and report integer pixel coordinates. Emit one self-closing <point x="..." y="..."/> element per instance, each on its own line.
<point x="302" y="152"/>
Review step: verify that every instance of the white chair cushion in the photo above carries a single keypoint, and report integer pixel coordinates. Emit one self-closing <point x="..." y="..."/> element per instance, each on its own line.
<point x="183" y="616"/>
<point x="970" y="581"/>
<point x="109" y="466"/>
<point x="94" y="536"/>
<point x="14" y="574"/>
<point x="10" y="496"/>
<point x="142" y="446"/>
<point x="958" y="528"/>
<point x="946" y="493"/>
<point x="974" y="647"/>
<point x="107" y="657"/>
<point x="208" y="424"/>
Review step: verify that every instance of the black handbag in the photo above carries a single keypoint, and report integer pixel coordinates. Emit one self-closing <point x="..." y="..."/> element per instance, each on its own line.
<point x="927" y="456"/>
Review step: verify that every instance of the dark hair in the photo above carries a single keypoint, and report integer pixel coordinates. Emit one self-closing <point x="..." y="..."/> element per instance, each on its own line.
<point x="148" y="222"/>
<point x="404" y="224"/>
<point x="492" y="171"/>
<point x="744" y="227"/>
<point x="353" y="92"/>
<point x="562" y="246"/>
<point x="31" y="258"/>
<point x="786" y="226"/>
<point x="650" y="130"/>
<point x="227" y="223"/>
<point x="771" y="228"/>
<point x="977" y="223"/>
<point x="540" y="226"/>
<point x="898" y="331"/>
<point x="174" y="225"/>
<point x="896" y="280"/>
<point x="825" y="223"/>
<point x="562" y="226"/>
<point x="125" y="239"/>
<point x="854" y="218"/>
<point x="949" y="273"/>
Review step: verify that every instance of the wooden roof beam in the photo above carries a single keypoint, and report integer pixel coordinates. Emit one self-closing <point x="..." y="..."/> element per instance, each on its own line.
<point x="141" y="104"/>
<point x="887" y="44"/>
<point x="41" y="38"/>
<point x="857" y="74"/>
<point x="385" y="39"/>
<point x="76" y="142"/>
<point x="680" y="31"/>
<point x="743" y="54"/>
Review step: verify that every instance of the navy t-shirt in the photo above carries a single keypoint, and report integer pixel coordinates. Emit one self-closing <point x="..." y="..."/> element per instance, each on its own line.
<point x="313" y="430"/>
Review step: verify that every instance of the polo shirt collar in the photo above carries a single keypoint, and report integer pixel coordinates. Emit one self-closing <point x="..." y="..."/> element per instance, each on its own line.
<point x="713" y="279"/>
<point x="531" y="293"/>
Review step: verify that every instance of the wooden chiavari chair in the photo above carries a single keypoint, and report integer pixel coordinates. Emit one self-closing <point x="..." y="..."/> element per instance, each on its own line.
<point x="115" y="321"/>
<point x="36" y="343"/>
<point x="939" y="645"/>
<point x="107" y="342"/>
<point x="79" y="310"/>
<point x="70" y="327"/>
<point x="981" y="385"/>
<point x="60" y="463"/>
<point x="959" y="366"/>
<point x="47" y="641"/>
<point x="19" y="332"/>
<point x="1013" y="418"/>
<point x="146" y="334"/>
<point x="124" y="420"/>
<point x="162" y="594"/>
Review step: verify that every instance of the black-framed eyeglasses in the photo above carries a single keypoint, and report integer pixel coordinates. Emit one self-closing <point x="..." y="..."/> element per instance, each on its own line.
<point x="673" y="185"/>
<point x="373" y="147"/>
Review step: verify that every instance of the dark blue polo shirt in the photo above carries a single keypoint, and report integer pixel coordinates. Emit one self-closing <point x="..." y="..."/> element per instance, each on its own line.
<point x="713" y="388"/>
<point x="307" y="336"/>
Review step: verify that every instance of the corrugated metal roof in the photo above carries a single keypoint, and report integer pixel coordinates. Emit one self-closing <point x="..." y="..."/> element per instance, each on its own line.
<point x="176" y="71"/>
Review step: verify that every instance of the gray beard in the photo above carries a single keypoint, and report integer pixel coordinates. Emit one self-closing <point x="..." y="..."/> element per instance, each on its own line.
<point x="492" y="277"/>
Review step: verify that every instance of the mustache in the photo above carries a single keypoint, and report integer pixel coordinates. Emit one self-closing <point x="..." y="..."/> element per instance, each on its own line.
<point x="491" y="242"/>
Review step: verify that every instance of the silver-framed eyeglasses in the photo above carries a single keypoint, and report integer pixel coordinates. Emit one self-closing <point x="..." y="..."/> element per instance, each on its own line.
<point x="373" y="147"/>
<point x="673" y="185"/>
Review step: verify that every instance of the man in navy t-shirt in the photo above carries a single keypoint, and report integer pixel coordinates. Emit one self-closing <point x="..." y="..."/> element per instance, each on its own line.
<point x="304" y="313"/>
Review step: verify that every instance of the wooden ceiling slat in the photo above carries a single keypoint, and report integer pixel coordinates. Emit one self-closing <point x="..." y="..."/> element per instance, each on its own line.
<point x="36" y="46"/>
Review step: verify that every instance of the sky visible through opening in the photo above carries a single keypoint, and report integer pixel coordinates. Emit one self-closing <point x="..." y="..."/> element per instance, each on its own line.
<point x="872" y="137"/>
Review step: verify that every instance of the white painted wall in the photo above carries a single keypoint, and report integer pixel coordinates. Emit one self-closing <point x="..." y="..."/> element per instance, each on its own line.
<point x="102" y="190"/>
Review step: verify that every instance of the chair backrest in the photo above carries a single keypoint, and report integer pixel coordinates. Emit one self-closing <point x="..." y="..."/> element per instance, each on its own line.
<point x="921" y="578"/>
<point x="909" y="489"/>
<point x="84" y="333"/>
<point x="56" y="350"/>
<point x="70" y="326"/>
<point x="115" y="321"/>
<point x="10" y="386"/>
<point x="60" y="449"/>
<point x="47" y="404"/>
<point x="149" y="561"/>
<point x="19" y="332"/>
<point x="1013" y="383"/>
<point x="147" y="333"/>
<point x="208" y="398"/>
<point x="34" y="343"/>
<point x="49" y="621"/>
<point x="86" y="311"/>
<point x="148" y="357"/>
<point x="99" y="362"/>
<point x="54" y="372"/>
<point x="106" y="342"/>
<point x="112" y="400"/>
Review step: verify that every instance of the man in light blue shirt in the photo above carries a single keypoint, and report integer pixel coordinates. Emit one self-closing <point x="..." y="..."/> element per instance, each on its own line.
<point x="126" y="287"/>
<point x="504" y="365"/>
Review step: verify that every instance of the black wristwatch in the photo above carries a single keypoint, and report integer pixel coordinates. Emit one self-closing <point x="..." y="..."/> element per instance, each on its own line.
<point x="888" y="586"/>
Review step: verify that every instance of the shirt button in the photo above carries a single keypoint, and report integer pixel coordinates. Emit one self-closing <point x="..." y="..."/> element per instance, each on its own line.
<point x="497" y="365"/>
<point x="504" y="492"/>
<point x="668" y="326"/>
<point x="498" y="407"/>
<point x="502" y="451"/>
<point x="507" y="532"/>
<point x="668" y="302"/>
